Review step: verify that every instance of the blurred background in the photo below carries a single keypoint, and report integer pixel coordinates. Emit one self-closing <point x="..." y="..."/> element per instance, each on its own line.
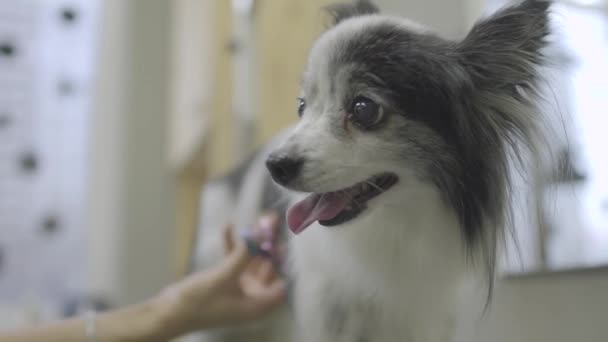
<point x="114" y="114"/>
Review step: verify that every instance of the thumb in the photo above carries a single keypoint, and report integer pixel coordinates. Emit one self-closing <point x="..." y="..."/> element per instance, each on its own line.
<point x="237" y="255"/>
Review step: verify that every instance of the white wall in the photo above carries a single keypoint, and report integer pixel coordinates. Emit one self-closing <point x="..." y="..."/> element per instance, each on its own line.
<point x="131" y="195"/>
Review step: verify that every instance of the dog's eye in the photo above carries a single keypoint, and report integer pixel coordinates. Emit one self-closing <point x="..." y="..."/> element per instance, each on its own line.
<point x="366" y="113"/>
<point x="301" y="106"/>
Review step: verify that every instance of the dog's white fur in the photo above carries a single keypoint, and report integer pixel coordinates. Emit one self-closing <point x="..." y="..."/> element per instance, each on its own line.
<point x="408" y="226"/>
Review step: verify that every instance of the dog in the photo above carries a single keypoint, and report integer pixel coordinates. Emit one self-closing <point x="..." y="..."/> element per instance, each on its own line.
<point x="400" y="171"/>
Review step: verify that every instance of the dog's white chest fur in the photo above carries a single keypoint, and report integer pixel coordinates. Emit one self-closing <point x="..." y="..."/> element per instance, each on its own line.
<point x="393" y="274"/>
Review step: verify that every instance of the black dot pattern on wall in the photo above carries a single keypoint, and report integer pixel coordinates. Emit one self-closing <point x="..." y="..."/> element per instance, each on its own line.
<point x="29" y="162"/>
<point x="1" y="260"/>
<point x="68" y="15"/>
<point x="65" y="88"/>
<point x="5" y="120"/>
<point x="7" y="49"/>
<point x="51" y="225"/>
<point x="77" y="305"/>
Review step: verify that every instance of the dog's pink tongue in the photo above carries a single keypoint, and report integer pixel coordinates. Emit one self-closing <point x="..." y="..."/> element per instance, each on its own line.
<point x="314" y="208"/>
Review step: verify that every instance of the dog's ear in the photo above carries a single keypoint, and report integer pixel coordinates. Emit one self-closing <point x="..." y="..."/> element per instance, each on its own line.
<point x="342" y="11"/>
<point x="503" y="51"/>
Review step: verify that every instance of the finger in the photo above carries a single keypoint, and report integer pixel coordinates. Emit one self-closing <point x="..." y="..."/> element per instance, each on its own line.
<point x="228" y="239"/>
<point x="238" y="256"/>
<point x="254" y="266"/>
<point x="281" y="251"/>
<point x="250" y="278"/>
<point x="266" y="273"/>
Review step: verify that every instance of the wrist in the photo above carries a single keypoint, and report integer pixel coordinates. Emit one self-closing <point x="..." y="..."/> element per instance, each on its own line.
<point x="171" y="314"/>
<point x="162" y="322"/>
<point x="142" y="322"/>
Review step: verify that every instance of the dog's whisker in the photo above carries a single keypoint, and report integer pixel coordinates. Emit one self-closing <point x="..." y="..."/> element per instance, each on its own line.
<point x="372" y="184"/>
<point x="350" y="197"/>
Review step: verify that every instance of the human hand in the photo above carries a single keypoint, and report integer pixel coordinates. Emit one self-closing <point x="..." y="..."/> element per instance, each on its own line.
<point x="240" y="289"/>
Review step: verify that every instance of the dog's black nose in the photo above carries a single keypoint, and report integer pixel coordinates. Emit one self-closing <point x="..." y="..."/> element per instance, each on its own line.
<point x="283" y="169"/>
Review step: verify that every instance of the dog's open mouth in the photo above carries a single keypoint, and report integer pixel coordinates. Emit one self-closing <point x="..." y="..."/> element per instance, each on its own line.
<point x="333" y="208"/>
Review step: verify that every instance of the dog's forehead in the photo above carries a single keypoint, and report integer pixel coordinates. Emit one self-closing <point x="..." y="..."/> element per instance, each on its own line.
<point x="366" y="40"/>
<point x="373" y="50"/>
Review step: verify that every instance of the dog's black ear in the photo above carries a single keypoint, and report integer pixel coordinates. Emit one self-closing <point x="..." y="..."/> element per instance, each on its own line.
<point x="342" y="11"/>
<point x="505" y="49"/>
